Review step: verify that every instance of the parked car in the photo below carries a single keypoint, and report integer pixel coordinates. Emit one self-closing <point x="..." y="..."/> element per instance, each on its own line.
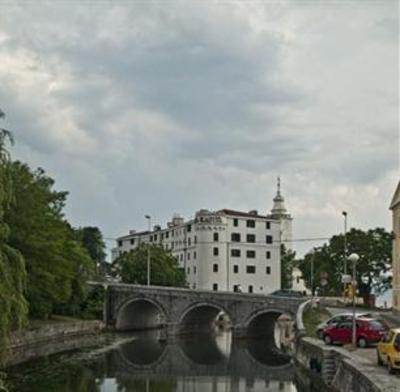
<point x="338" y="318"/>
<point x="388" y="350"/>
<point x="287" y="293"/>
<point x="367" y="331"/>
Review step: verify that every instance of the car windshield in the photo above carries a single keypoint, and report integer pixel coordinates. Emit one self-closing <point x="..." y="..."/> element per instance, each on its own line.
<point x="375" y="324"/>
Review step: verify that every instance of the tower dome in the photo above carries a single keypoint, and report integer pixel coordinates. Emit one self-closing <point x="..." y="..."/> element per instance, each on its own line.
<point x="279" y="209"/>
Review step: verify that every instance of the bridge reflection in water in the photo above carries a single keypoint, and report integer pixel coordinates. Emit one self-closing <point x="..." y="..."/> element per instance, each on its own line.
<point x="200" y="362"/>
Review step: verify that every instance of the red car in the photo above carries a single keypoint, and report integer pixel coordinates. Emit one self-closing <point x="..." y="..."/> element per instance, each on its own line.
<point x="367" y="331"/>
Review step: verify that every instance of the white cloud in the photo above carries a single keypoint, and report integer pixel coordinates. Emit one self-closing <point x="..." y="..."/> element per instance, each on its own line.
<point x="147" y="108"/>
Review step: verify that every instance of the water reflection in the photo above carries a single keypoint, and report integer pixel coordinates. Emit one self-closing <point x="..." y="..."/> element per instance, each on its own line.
<point x="146" y="363"/>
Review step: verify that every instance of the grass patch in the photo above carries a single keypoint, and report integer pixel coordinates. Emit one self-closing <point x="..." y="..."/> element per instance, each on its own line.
<point x="312" y="317"/>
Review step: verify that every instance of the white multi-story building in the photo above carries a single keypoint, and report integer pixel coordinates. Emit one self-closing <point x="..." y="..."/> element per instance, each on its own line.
<point x="223" y="250"/>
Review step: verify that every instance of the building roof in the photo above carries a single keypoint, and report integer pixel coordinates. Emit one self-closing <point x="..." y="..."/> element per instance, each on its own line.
<point x="134" y="234"/>
<point x="396" y="197"/>
<point x="242" y="213"/>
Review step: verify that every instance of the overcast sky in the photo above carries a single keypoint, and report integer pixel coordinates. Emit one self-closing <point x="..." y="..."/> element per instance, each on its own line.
<point x="153" y="108"/>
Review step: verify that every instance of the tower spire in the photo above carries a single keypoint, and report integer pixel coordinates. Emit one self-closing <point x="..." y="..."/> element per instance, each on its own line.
<point x="279" y="209"/>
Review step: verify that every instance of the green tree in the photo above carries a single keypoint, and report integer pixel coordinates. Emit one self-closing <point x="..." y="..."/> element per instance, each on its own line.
<point x="374" y="247"/>
<point x="288" y="258"/>
<point x="57" y="265"/>
<point x="92" y="239"/>
<point x="165" y="270"/>
<point x="13" y="306"/>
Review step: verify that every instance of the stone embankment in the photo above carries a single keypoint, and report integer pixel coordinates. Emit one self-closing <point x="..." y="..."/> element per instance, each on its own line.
<point x="340" y="370"/>
<point x="52" y="338"/>
<point x="336" y="369"/>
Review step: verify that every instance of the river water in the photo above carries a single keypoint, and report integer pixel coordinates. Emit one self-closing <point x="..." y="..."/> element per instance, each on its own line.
<point x="144" y="362"/>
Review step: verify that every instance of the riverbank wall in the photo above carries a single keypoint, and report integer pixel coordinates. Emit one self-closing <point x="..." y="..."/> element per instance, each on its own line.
<point x="338" y="370"/>
<point x="49" y="339"/>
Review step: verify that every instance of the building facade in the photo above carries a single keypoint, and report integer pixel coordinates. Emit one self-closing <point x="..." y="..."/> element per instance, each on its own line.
<point x="223" y="250"/>
<point x="395" y="207"/>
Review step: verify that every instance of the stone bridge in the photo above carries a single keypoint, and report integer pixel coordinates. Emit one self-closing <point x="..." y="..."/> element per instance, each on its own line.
<point x="179" y="310"/>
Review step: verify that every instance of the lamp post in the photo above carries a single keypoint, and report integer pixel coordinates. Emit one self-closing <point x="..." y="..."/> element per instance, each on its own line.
<point x="354" y="257"/>
<point x="344" y="213"/>
<point x="148" y="217"/>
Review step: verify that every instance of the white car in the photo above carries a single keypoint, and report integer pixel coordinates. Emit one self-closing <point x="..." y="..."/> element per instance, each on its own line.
<point x="348" y="316"/>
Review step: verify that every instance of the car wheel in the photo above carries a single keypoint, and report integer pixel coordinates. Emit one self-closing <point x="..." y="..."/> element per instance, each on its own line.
<point x="378" y="358"/>
<point x="362" y="343"/>
<point x="390" y="367"/>
<point x="327" y="339"/>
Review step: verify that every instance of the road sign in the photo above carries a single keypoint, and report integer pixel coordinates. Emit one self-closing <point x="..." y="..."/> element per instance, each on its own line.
<point x="346" y="278"/>
<point x="324" y="282"/>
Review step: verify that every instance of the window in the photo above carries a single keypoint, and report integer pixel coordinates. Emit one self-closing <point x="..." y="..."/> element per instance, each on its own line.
<point x="188" y="257"/>
<point x="268" y="254"/>
<point x="151" y="238"/>
<point x="268" y="239"/>
<point x="251" y="238"/>
<point x="189" y="241"/>
<point x="194" y="255"/>
<point x="236" y="288"/>
<point x="250" y="289"/>
<point x="251" y="269"/>
<point x="261" y="288"/>
<point x="250" y="254"/>
<point x="235" y="222"/>
<point x="215" y="267"/>
<point x="215" y="251"/>
<point x="195" y="239"/>
<point x="250" y="223"/>
<point x="194" y="270"/>
<point x="132" y="241"/>
<point x="162" y="236"/>
<point x="215" y="287"/>
<point x="155" y="237"/>
<point x="216" y="237"/>
<point x="189" y="228"/>
<point x="235" y="269"/>
<point x="119" y="243"/>
<point x="268" y="225"/>
<point x="235" y="252"/>
<point x="235" y="237"/>
<point x="268" y="270"/>
<point x="167" y="234"/>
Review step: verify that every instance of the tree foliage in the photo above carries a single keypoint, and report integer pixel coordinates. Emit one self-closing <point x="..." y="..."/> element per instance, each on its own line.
<point x="165" y="270"/>
<point x="92" y="240"/>
<point x="57" y="265"/>
<point x="13" y="306"/>
<point x="288" y="257"/>
<point x="374" y="247"/>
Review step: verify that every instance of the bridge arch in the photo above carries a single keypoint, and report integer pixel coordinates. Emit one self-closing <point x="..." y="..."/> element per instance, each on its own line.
<point x="138" y="313"/>
<point x="262" y="323"/>
<point x="200" y="316"/>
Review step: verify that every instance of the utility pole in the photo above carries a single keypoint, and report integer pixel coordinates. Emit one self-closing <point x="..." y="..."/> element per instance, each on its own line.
<point x="148" y="217"/>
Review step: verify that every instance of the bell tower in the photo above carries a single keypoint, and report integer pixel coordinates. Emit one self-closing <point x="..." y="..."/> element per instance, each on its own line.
<point x="279" y="212"/>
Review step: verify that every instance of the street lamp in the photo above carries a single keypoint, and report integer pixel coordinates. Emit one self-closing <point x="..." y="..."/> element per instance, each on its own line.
<point x="148" y="217"/>
<point x="353" y="258"/>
